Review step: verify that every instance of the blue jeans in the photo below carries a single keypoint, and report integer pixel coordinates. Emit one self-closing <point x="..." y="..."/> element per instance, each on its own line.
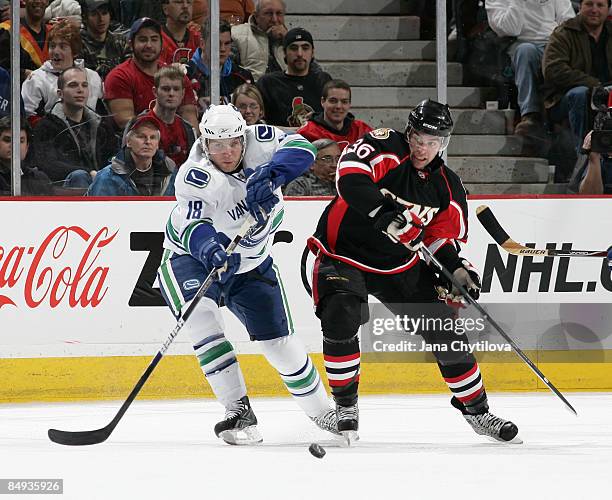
<point x="527" y="66"/>
<point x="573" y="106"/>
<point x="77" y="179"/>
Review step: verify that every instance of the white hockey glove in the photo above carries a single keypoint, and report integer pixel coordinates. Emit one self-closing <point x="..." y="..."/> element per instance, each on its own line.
<point x="468" y="277"/>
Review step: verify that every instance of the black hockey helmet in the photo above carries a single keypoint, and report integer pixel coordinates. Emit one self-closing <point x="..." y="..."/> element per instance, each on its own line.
<point x="431" y="117"/>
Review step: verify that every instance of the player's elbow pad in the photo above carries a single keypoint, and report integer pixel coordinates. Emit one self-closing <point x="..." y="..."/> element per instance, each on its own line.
<point x="448" y="256"/>
<point x="199" y="238"/>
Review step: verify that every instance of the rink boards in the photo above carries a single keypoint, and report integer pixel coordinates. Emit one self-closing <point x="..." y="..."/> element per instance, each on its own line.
<point x="81" y="317"/>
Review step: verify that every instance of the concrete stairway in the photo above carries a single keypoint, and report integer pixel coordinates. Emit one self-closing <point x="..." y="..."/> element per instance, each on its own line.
<point x="375" y="47"/>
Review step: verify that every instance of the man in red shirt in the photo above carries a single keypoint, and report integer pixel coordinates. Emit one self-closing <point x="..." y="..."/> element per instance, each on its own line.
<point x="128" y="88"/>
<point x="180" y="39"/>
<point x="335" y="122"/>
<point x="176" y="134"/>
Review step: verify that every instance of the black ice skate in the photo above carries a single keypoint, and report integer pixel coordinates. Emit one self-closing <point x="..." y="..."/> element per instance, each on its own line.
<point x="487" y="424"/>
<point x="240" y="424"/>
<point x="327" y="421"/>
<point x="348" y="422"/>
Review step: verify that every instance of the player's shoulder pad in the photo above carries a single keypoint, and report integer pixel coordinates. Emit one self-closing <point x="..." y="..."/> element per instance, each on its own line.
<point x="454" y="181"/>
<point x="262" y="141"/>
<point x="195" y="177"/>
<point x="381" y="133"/>
<point x="384" y="137"/>
<point x="264" y="133"/>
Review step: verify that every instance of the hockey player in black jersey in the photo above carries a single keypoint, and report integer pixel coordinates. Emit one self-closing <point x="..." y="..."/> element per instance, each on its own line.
<point x="394" y="194"/>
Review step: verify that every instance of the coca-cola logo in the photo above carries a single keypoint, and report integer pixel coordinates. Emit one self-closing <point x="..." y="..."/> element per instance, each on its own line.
<point x="48" y="278"/>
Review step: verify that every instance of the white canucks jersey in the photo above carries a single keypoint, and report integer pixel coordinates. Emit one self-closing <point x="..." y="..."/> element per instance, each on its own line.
<point x="206" y="195"/>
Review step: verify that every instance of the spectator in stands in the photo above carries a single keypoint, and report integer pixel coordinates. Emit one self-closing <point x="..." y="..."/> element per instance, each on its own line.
<point x="129" y="11"/>
<point x="232" y="74"/>
<point x="335" y="122"/>
<point x="137" y="170"/>
<point x="180" y="37"/>
<point x="320" y="180"/>
<point x="33" y="36"/>
<point x="258" y="42"/>
<point x="176" y="134"/>
<point x="5" y="92"/>
<point x="576" y="60"/>
<point x="200" y="12"/>
<point x="236" y="11"/>
<point x="531" y="23"/>
<point x="294" y="96"/>
<point x="102" y="49"/>
<point x="39" y="91"/>
<point x="33" y="181"/>
<point x="5" y="12"/>
<point x="64" y="9"/>
<point x="247" y="98"/>
<point x="71" y="143"/>
<point x="128" y="87"/>
<point x="597" y="175"/>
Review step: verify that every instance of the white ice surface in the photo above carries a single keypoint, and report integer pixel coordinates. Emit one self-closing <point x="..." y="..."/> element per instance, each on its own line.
<point x="412" y="447"/>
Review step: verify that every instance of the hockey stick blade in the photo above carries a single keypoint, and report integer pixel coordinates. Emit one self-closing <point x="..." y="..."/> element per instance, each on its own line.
<point x="83" y="438"/>
<point x="493" y="227"/>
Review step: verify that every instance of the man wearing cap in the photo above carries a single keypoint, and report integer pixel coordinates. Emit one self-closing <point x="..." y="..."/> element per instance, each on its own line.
<point x="102" y="49"/>
<point x="293" y="96"/>
<point x="138" y="169"/>
<point x="258" y="42"/>
<point x="129" y="86"/>
<point x="180" y="36"/>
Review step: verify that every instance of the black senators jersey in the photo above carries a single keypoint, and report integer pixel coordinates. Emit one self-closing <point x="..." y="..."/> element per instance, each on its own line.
<point x="376" y="164"/>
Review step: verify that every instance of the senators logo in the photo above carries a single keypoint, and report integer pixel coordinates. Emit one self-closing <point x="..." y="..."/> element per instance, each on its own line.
<point x="381" y="133"/>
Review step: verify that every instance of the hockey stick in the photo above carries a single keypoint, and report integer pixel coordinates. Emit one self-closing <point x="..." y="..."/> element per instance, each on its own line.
<point x="494" y="324"/>
<point x="79" y="438"/>
<point x="501" y="237"/>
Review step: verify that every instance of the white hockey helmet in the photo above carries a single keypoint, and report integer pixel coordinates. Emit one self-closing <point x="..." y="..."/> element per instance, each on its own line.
<point x="223" y="121"/>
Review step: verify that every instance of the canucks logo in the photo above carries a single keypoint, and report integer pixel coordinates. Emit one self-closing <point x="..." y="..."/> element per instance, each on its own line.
<point x="191" y="285"/>
<point x="198" y="178"/>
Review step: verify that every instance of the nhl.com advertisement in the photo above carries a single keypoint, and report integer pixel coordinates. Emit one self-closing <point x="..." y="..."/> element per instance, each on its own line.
<point x="79" y="278"/>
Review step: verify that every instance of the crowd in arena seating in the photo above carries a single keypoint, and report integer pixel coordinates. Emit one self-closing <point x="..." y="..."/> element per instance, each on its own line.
<point x="559" y="52"/>
<point x="103" y="78"/>
<point x="113" y="91"/>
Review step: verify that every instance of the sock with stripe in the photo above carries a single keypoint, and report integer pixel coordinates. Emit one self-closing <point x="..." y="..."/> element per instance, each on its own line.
<point x="342" y="371"/>
<point x="340" y="319"/>
<point x="298" y="373"/>
<point x="216" y="355"/>
<point x="465" y="382"/>
<point x="217" y="360"/>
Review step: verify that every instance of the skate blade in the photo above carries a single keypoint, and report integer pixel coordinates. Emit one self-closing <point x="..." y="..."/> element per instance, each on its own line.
<point x="515" y="440"/>
<point x="242" y="437"/>
<point x="349" y="438"/>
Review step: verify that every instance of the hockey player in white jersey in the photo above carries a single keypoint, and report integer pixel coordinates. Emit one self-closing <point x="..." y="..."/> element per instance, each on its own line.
<point x="234" y="170"/>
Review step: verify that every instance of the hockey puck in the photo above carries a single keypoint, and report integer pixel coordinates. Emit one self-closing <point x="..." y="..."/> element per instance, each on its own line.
<point x="316" y="450"/>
